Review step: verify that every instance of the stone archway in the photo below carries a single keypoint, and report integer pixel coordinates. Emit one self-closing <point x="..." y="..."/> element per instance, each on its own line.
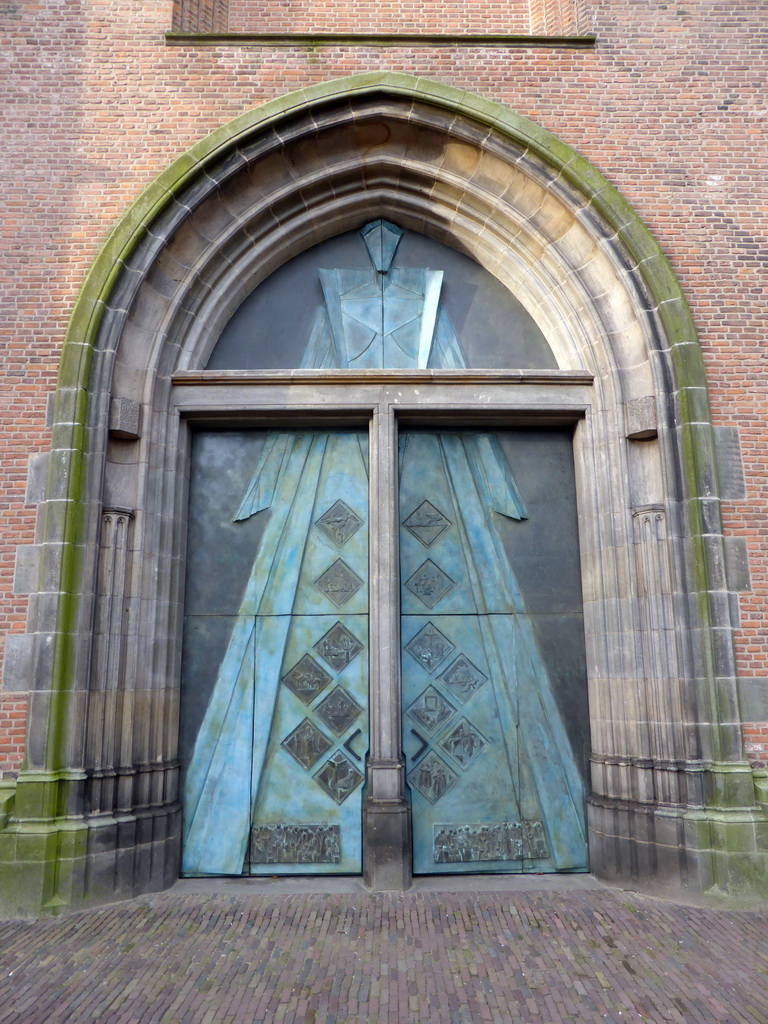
<point x="97" y="804"/>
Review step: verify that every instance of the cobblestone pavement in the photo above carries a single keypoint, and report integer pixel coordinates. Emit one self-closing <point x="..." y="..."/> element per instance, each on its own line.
<point x="246" y="955"/>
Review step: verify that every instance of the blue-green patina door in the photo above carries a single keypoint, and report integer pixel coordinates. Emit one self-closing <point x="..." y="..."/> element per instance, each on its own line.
<point x="276" y="769"/>
<point x="276" y="682"/>
<point x="494" y="783"/>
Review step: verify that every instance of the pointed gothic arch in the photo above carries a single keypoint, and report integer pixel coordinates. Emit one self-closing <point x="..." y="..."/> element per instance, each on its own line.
<point x="97" y="804"/>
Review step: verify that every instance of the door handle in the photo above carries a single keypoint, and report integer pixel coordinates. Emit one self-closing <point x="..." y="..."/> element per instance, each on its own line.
<point x="349" y="749"/>
<point x="422" y="748"/>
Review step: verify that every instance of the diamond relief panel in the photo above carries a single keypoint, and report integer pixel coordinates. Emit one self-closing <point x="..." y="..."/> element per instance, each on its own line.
<point x="429" y="583"/>
<point x="339" y="583"/>
<point x="306" y="679"/>
<point x="432" y="777"/>
<point x="339" y="523"/>
<point x="431" y="709"/>
<point x="338" y="647"/>
<point x="463" y="678"/>
<point x="338" y="710"/>
<point x="306" y="744"/>
<point x="430" y="648"/>
<point x="426" y="523"/>
<point x="338" y="777"/>
<point x="463" y="743"/>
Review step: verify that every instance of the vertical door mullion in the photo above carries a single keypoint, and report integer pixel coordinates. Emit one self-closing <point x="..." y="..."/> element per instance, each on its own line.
<point x="386" y="754"/>
<point x="386" y="818"/>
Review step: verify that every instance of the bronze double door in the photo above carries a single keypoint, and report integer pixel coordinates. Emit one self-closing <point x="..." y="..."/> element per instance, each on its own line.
<point x="276" y="687"/>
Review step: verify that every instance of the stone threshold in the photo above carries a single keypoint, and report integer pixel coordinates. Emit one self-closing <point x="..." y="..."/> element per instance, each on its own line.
<point x="268" y="885"/>
<point x="399" y="39"/>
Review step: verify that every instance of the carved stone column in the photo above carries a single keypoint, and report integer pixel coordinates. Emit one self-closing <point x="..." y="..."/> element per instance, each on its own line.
<point x="109" y="734"/>
<point x="664" y="711"/>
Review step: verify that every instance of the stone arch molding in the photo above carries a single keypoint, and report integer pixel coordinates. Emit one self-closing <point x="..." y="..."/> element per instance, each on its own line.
<point x="95" y="813"/>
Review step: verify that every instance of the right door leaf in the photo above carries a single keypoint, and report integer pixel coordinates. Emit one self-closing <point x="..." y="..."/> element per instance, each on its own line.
<point x="494" y="783"/>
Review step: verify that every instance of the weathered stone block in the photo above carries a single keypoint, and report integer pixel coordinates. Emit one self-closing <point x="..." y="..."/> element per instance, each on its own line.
<point x="730" y="468"/>
<point x="18" y="662"/>
<point x="125" y="418"/>
<point x="737" y="564"/>
<point x="37" y="478"/>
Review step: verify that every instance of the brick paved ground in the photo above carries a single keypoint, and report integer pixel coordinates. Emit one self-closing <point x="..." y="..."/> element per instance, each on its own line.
<point x="442" y="958"/>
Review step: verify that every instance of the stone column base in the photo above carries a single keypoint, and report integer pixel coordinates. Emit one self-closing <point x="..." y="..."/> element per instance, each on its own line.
<point x="387" y="852"/>
<point x="680" y="853"/>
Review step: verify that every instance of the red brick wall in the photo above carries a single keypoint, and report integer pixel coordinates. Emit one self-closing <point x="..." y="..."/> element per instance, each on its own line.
<point x="374" y="16"/>
<point x="538" y="17"/>
<point x="13" y="728"/>
<point x="756" y="743"/>
<point x="670" y="106"/>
